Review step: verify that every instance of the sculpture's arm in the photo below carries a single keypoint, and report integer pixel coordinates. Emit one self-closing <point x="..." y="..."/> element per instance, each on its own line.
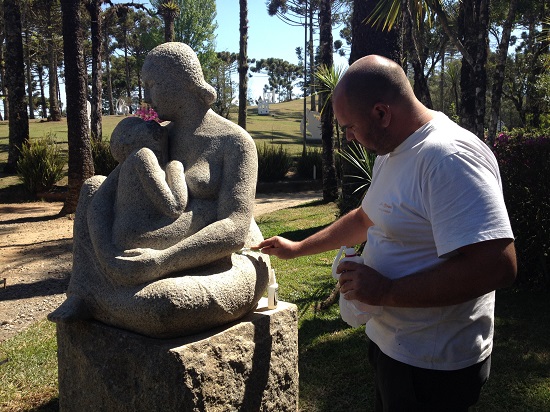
<point x="100" y="218"/>
<point x="215" y="241"/>
<point x="167" y="191"/>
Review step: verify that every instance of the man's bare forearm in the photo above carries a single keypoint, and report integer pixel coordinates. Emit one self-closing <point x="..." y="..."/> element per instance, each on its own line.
<point x="349" y="230"/>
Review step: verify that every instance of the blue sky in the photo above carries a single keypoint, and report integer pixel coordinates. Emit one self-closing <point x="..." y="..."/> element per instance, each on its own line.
<point x="267" y="36"/>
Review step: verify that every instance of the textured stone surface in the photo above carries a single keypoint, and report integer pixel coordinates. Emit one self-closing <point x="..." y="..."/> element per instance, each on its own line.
<point x="250" y="365"/>
<point x="174" y="272"/>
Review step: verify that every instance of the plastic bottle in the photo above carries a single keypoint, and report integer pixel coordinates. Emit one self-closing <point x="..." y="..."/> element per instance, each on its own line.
<point x="353" y="312"/>
<point x="272" y="291"/>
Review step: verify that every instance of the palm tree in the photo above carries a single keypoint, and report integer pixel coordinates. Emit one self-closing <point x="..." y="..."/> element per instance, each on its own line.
<point x="243" y="62"/>
<point x="81" y="164"/>
<point x="330" y="182"/>
<point x="15" y="83"/>
<point x="169" y="11"/>
<point x="368" y="39"/>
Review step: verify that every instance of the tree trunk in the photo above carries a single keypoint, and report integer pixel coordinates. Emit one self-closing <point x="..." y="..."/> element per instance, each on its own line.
<point x="370" y="40"/>
<point x="3" y="69"/>
<point x="420" y="85"/>
<point x="15" y="83"/>
<point x="29" y="75"/>
<point x="498" y="80"/>
<point x="96" y="132"/>
<point x="55" y="112"/>
<point x="442" y="81"/>
<point x="366" y="40"/>
<point x="473" y="25"/>
<point x="311" y="59"/>
<point x="169" y="31"/>
<point x="109" y="85"/>
<point x="40" y="71"/>
<point x="330" y="182"/>
<point x="243" y="65"/>
<point x="535" y="49"/>
<point x="127" y="66"/>
<point x="81" y="165"/>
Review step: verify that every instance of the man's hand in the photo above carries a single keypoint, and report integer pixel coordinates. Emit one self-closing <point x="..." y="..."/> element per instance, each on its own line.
<point x="363" y="283"/>
<point x="279" y="247"/>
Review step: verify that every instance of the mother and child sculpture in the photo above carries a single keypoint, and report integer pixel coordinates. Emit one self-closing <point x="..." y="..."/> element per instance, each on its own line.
<point x="157" y="243"/>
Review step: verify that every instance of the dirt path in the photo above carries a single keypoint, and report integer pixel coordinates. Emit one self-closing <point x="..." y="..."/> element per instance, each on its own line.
<point x="36" y="256"/>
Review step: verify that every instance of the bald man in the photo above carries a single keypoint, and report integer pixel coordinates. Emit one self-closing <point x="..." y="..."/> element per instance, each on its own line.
<point x="439" y="243"/>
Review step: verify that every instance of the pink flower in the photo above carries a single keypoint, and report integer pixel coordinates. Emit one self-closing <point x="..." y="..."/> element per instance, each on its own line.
<point x="147" y="113"/>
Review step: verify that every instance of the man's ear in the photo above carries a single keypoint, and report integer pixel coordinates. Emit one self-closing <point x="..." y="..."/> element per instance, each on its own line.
<point x="382" y="112"/>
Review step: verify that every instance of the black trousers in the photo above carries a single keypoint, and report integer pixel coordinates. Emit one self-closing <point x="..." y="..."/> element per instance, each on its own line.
<point x="404" y="388"/>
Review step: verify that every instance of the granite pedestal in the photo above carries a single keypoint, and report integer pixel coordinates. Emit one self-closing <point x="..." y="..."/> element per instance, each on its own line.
<point x="250" y="365"/>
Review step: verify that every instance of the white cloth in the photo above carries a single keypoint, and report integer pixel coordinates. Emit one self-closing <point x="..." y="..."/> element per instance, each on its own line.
<point x="436" y="192"/>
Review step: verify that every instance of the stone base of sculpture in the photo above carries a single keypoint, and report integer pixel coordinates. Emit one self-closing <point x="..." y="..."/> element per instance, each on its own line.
<point x="250" y="365"/>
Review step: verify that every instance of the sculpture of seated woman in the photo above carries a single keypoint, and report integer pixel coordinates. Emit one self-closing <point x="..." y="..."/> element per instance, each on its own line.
<point x="189" y="275"/>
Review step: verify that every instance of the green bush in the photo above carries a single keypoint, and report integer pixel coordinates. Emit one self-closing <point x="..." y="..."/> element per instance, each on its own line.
<point x="524" y="161"/>
<point x="305" y="164"/>
<point x="41" y="164"/>
<point x="104" y="162"/>
<point x="273" y="163"/>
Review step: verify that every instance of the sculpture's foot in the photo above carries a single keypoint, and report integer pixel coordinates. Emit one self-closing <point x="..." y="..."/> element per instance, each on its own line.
<point x="73" y="309"/>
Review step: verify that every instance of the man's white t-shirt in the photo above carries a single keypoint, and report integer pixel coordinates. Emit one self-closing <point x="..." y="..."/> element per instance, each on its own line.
<point x="436" y="192"/>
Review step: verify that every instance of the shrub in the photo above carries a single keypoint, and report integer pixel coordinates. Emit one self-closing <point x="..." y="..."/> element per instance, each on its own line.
<point x="524" y="161"/>
<point x="305" y="164"/>
<point x="41" y="164"/>
<point x="104" y="162"/>
<point x="273" y="163"/>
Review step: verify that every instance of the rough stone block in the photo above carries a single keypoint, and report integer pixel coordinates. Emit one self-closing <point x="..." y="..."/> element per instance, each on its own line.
<point x="249" y="365"/>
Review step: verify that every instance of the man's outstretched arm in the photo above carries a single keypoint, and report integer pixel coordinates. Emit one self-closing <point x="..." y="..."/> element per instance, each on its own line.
<point x="349" y="230"/>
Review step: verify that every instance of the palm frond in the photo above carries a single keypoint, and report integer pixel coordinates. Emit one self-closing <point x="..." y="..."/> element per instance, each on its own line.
<point x="328" y="78"/>
<point x="363" y="161"/>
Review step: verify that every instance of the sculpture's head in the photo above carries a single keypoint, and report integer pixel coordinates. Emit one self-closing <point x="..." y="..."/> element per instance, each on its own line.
<point x="172" y="72"/>
<point x="133" y="133"/>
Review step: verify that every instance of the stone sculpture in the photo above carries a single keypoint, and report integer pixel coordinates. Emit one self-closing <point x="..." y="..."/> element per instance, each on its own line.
<point x="170" y="266"/>
<point x="313" y="125"/>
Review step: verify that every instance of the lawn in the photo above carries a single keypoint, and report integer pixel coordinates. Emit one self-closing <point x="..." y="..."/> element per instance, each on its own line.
<point x="334" y="372"/>
<point x="280" y="128"/>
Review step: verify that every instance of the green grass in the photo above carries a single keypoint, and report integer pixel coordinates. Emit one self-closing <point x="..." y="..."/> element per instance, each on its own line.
<point x="281" y="127"/>
<point x="28" y="379"/>
<point x="38" y="129"/>
<point x="334" y="371"/>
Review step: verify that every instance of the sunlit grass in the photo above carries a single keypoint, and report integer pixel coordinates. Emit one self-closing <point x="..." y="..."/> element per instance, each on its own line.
<point x="334" y="370"/>
<point x="280" y="127"/>
<point x="28" y="378"/>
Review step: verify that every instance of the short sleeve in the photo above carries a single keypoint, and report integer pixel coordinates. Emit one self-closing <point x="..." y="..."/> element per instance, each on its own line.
<point x="464" y="202"/>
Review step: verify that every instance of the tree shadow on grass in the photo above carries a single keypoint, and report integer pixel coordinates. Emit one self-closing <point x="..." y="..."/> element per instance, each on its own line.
<point x="334" y="371"/>
<point x="51" y="406"/>
<point x="15" y="194"/>
<point x="520" y="369"/>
